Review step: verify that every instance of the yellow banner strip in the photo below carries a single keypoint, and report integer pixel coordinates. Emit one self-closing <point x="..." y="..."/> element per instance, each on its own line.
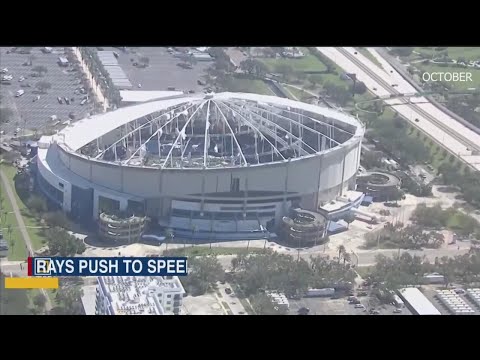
<point x="31" y="283"/>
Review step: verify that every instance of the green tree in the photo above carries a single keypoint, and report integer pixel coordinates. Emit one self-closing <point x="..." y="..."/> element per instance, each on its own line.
<point x="43" y="86"/>
<point x="339" y="94"/>
<point x="285" y="70"/>
<point x="40" y="69"/>
<point x="12" y="301"/>
<point x="360" y="88"/>
<point x="69" y="299"/>
<point x="341" y="251"/>
<point x="57" y="218"/>
<point x="349" y="218"/>
<point x="169" y="235"/>
<point x="61" y="243"/>
<point x="6" y="114"/>
<point x="402" y="51"/>
<point x="262" y="304"/>
<point x="37" y="204"/>
<point x="11" y="156"/>
<point x="145" y="60"/>
<point x="39" y="301"/>
<point x="204" y="272"/>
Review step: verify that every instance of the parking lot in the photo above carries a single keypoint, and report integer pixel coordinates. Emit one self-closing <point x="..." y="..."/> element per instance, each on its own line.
<point x="341" y="306"/>
<point x="35" y="115"/>
<point x="325" y="306"/>
<point x="162" y="72"/>
<point x="430" y="291"/>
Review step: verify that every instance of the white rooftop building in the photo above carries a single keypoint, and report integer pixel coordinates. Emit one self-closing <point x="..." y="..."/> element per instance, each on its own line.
<point x="139" y="295"/>
<point x="418" y="303"/>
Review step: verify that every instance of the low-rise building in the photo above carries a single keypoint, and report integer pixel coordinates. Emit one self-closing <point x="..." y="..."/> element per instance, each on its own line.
<point x="139" y="295"/>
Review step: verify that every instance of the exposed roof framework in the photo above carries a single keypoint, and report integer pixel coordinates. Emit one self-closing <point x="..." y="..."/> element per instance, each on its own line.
<point x="214" y="132"/>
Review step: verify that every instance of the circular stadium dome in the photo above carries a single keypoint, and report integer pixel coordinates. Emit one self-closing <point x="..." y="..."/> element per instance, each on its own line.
<point x="219" y="164"/>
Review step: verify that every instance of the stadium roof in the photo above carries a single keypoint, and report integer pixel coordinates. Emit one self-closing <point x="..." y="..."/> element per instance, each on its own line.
<point x="80" y="133"/>
<point x="420" y="304"/>
<point x="142" y="96"/>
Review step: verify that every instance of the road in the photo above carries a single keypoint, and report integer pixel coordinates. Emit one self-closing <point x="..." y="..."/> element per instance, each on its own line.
<point x="22" y="227"/>
<point x="231" y="299"/>
<point x="446" y="131"/>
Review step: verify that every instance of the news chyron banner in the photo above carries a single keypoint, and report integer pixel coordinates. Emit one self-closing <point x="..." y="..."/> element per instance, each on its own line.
<point x="44" y="272"/>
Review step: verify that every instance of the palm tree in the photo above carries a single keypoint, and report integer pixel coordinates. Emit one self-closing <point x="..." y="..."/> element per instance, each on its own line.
<point x="346" y="258"/>
<point x="9" y="233"/>
<point x="168" y="237"/>
<point x="194" y="230"/>
<point x="318" y="224"/>
<point x="341" y="251"/>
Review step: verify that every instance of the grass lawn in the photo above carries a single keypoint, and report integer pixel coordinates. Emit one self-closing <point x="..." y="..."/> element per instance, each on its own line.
<point x="335" y="79"/>
<point x="426" y="51"/>
<point x="16" y="246"/>
<point x="363" y="271"/>
<point x="205" y="250"/>
<point x="16" y="249"/>
<point x="369" y="56"/>
<point x="469" y="53"/>
<point x="14" y="301"/>
<point x="298" y="93"/>
<point x="308" y="63"/>
<point x="249" y="86"/>
<point x="28" y="218"/>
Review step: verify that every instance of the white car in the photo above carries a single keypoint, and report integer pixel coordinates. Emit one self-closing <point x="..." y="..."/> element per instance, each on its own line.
<point x="4" y="71"/>
<point x="21" y="78"/>
<point x="359" y="306"/>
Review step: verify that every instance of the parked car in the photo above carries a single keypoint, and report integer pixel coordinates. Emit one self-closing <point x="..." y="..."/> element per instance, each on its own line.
<point x="303" y="311"/>
<point x="228" y="291"/>
<point x="359" y="306"/>
<point x="60" y="100"/>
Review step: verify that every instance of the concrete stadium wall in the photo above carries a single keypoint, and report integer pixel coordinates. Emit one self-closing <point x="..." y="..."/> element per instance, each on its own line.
<point x="55" y="181"/>
<point x="325" y="172"/>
